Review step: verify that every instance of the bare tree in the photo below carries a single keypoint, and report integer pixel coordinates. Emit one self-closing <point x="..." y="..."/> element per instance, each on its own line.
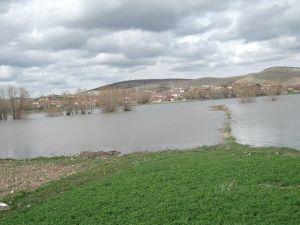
<point x="22" y="102"/>
<point x="12" y="95"/>
<point x="82" y="100"/>
<point x="247" y="93"/>
<point x="54" y="112"/>
<point x="90" y="102"/>
<point x="17" y="98"/>
<point x="109" y="100"/>
<point x="198" y="94"/>
<point x="125" y="100"/>
<point x="4" y="106"/>
<point x="218" y="93"/>
<point x="273" y="91"/>
<point x="143" y="97"/>
<point x="68" y="103"/>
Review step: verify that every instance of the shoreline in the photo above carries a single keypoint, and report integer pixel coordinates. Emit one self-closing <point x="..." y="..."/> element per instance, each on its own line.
<point x="173" y="102"/>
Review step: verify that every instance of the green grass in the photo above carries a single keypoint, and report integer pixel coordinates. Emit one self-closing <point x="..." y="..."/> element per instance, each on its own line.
<point x="209" y="185"/>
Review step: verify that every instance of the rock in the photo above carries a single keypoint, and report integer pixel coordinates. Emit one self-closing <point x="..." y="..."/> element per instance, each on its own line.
<point x="3" y="206"/>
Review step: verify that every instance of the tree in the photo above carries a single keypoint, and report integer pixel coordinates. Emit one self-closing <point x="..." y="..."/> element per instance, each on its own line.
<point x="68" y="103"/>
<point x="90" y="103"/>
<point x="109" y="100"/>
<point x="4" y="106"/>
<point x="17" y="98"/>
<point x="125" y="100"/>
<point x="218" y="93"/>
<point x="54" y="111"/>
<point x="82" y="100"/>
<point x="143" y="97"/>
<point x="247" y="93"/>
<point x="272" y="91"/>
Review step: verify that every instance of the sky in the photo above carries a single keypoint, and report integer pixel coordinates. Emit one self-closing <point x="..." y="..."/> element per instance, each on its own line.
<point x="49" y="46"/>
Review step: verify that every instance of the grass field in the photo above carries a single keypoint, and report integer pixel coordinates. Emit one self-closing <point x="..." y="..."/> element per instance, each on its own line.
<point x="209" y="185"/>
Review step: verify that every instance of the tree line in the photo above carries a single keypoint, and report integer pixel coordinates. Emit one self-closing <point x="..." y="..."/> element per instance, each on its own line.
<point x="108" y="100"/>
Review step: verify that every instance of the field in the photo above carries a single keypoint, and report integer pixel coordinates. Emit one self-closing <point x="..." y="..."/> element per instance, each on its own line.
<point x="210" y="185"/>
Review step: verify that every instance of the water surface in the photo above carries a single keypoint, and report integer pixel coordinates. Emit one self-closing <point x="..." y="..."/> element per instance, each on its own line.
<point x="146" y="128"/>
<point x="267" y="123"/>
<point x="153" y="128"/>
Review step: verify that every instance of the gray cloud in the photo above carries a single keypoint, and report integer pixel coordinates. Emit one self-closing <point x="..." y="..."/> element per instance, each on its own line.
<point x="51" y="46"/>
<point x="30" y="58"/>
<point x="152" y="15"/>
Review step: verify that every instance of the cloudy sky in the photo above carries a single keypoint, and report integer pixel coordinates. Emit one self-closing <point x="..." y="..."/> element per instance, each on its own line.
<point x="53" y="45"/>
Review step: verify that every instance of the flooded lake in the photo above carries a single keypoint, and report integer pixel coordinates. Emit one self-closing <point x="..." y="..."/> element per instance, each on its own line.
<point x="146" y="128"/>
<point x="267" y="123"/>
<point x="153" y="128"/>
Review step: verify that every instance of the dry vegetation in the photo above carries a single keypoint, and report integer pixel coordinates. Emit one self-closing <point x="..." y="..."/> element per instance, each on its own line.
<point x="247" y="94"/>
<point x="143" y="97"/>
<point x="111" y="100"/>
<point x="13" y="101"/>
<point x="78" y="103"/>
<point x="273" y="91"/>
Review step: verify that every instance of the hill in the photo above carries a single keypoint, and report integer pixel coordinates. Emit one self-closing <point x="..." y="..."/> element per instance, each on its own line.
<point x="273" y="75"/>
<point x="144" y="83"/>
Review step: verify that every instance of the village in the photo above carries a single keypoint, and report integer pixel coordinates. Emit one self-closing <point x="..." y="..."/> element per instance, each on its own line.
<point x="166" y="94"/>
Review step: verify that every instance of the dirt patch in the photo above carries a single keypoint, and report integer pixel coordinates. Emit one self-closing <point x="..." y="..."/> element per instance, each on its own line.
<point x="27" y="175"/>
<point x="99" y="154"/>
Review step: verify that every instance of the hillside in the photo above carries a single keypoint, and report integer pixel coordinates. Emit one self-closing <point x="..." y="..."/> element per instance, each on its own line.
<point x="213" y="81"/>
<point x="144" y="83"/>
<point x="273" y="75"/>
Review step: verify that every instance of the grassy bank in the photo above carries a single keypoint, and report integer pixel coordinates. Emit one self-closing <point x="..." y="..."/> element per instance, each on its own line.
<point x="208" y="185"/>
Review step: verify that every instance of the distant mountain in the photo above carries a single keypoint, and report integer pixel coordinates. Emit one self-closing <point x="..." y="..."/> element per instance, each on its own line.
<point x="273" y="75"/>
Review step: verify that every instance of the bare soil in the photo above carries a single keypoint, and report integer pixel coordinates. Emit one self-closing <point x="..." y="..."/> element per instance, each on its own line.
<point x="28" y="175"/>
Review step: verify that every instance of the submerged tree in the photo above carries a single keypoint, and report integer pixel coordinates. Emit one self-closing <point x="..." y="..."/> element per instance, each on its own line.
<point x="14" y="101"/>
<point x="125" y="100"/>
<point x="272" y="92"/>
<point x="82" y="101"/>
<point x="111" y="100"/>
<point x="4" y="104"/>
<point x="17" y="98"/>
<point x="247" y="93"/>
<point x="54" y="111"/>
<point x="143" y="97"/>
<point x="68" y="103"/>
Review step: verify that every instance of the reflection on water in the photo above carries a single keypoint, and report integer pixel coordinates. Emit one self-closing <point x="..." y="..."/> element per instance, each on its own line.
<point x="146" y="128"/>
